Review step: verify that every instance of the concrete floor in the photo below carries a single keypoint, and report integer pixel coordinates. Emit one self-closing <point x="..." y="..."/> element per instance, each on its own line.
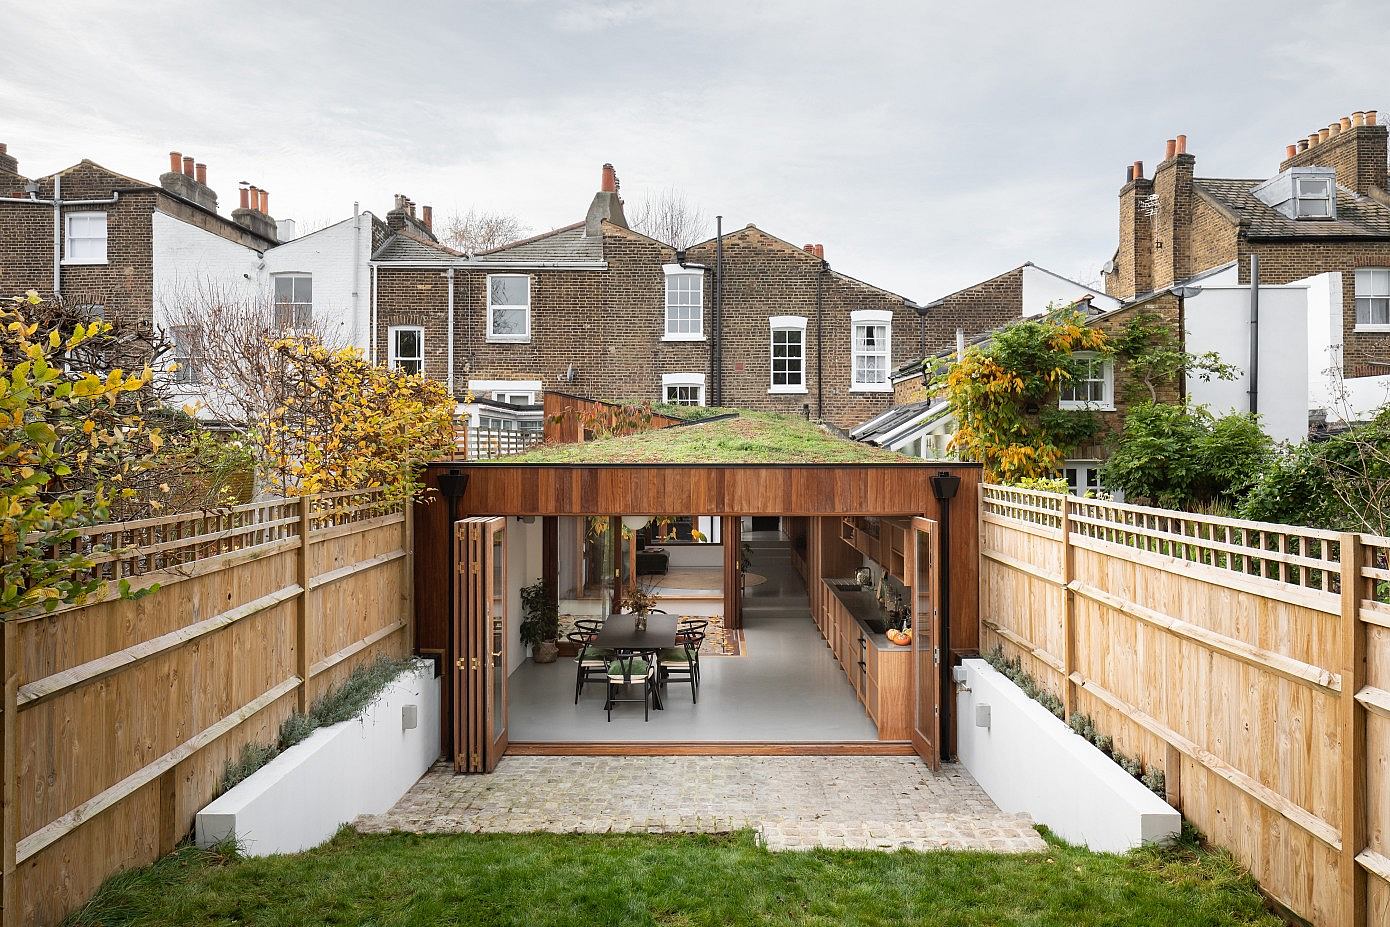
<point x="787" y="688"/>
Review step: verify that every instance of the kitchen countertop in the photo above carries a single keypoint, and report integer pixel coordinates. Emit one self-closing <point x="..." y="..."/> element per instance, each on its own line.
<point x="863" y="607"/>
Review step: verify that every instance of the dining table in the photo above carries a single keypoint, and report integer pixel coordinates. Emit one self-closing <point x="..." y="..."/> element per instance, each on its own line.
<point x="620" y="632"/>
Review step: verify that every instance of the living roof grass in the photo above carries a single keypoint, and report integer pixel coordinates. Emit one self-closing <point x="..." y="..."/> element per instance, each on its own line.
<point x="748" y="437"/>
<point x="553" y="880"/>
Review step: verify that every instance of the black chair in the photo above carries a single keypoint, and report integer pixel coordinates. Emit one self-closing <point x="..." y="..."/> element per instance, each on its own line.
<point x="589" y="625"/>
<point x="682" y="662"/>
<point x="590" y="663"/>
<point x="631" y="668"/>
<point x="693" y="625"/>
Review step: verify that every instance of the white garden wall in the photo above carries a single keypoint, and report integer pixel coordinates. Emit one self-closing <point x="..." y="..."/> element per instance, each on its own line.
<point x="1028" y="761"/>
<point x="362" y="766"/>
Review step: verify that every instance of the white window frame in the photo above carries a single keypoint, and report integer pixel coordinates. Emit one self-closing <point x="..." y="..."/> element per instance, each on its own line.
<point x="1372" y="298"/>
<point x="1085" y="469"/>
<point x="1329" y="198"/>
<point x="863" y="318"/>
<point x="669" y="380"/>
<point x="184" y="357"/>
<point x="294" y="321"/>
<point x="491" y="388"/>
<point x="68" y="237"/>
<point x="508" y="337"/>
<point x="1107" y="401"/>
<point x="673" y="272"/>
<point x="785" y="323"/>
<point x="393" y="355"/>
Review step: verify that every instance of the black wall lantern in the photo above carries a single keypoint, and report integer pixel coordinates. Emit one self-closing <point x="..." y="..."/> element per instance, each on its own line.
<point x="452" y="484"/>
<point x="945" y="485"/>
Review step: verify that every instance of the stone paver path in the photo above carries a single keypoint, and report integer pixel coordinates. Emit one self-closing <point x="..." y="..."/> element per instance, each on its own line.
<point x="859" y="802"/>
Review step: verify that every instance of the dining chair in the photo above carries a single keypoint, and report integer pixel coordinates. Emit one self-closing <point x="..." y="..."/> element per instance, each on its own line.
<point x="626" y="669"/>
<point x="591" y="663"/>
<point x="693" y="626"/>
<point x="682" y="662"/>
<point x="589" y="625"/>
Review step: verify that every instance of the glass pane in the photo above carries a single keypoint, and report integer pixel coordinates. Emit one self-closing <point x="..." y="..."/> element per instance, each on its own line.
<point x="924" y="607"/>
<point x="510" y="291"/>
<point x="284" y="289"/>
<point x="303" y="289"/>
<point x="508" y="321"/>
<point x="1380" y="282"/>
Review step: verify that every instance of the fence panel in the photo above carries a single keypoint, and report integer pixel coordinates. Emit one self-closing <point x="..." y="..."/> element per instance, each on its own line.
<point x="122" y="714"/>
<point x="1249" y="661"/>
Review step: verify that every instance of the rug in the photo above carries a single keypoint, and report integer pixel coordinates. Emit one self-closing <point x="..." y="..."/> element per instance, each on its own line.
<point x="719" y="640"/>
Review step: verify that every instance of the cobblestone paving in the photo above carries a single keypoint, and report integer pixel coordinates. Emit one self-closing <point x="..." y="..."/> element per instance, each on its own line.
<point x="792" y="802"/>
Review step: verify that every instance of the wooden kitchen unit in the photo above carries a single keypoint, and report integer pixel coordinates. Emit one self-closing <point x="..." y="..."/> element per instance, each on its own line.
<point x="879" y="670"/>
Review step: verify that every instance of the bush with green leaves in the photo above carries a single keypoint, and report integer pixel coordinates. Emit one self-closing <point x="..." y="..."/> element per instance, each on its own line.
<point x="540" y="615"/>
<point x="1182" y="456"/>
<point x="1341" y="483"/>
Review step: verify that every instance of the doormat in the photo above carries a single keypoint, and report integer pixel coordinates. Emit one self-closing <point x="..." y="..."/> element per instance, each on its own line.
<point x="719" y="640"/>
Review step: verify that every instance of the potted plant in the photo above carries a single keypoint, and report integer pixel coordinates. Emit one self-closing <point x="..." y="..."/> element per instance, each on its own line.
<point x="640" y="601"/>
<point x="540" y="622"/>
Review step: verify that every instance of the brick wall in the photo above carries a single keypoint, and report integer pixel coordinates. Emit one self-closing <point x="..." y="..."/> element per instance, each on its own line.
<point x="977" y="309"/>
<point x="609" y="324"/>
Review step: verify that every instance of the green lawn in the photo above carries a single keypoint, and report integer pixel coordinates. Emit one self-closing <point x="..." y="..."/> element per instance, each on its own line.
<point x="539" y="880"/>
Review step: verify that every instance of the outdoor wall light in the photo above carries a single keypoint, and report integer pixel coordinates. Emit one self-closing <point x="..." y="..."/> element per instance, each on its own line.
<point x="636" y="522"/>
<point x="945" y="485"/>
<point x="982" y="714"/>
<point x="453" y="482"/>
<point x="410" y="717"/>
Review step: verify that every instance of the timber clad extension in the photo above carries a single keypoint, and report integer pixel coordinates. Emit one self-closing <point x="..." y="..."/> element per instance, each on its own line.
<point x="597" y="309"/>
<point x="1176" y="225"/>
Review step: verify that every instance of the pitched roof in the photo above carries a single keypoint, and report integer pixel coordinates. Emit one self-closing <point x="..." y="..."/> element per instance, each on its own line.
<point x="403" y="246"/>
<point x="1357" y="216"/>
<point x="567" y="244"/>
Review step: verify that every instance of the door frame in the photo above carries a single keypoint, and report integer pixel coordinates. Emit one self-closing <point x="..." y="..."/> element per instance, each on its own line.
<point x="479" y="741"/>
<point x="926" y="641"/>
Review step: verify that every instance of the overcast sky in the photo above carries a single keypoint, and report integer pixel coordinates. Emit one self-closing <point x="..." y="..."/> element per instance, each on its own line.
<point x="926" y="145"/>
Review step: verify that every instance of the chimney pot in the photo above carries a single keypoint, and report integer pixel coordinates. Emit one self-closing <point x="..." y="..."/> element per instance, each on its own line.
<point x="1323" y="135"/>
<point x="1334" y="129"/>
<point x="1313" y="140"/>
<point x="1302" y="144"/>
<point x="255" y="197"/>
<point x="811" y="249"/>
<point x="1290" y="151"/>
<point x="265" y="202"/>
<point x="1370" y="117"/>
<point x="1182" y="144"/>
<point x="1346" y="123"/>
<point x="1358" y="118"/>
<point x="428" y="216"/>
<point x="245" y="196"/>
<point x="187" y="166"/>
<point x="610" y="180"/>
<point x="1138" y="170"/>
<point x="1129" y="174"/>
<point x="200" y="173"/>
<point x="1170" y="148"/>
<point x="175" y="162"/>
<point x="820" y="252"/>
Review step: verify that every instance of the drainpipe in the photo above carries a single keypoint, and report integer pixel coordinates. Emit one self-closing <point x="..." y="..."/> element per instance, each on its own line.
<point x="820" y="339"/>
<point x="371" y="322"/>
<point x="449" y="321"/>
<point x="716" y="354"/>
<point x="944" y="486"/>
<point x="1254" y="334"/>
<point x="57" y="236"/>
<point x="356" y="267"/>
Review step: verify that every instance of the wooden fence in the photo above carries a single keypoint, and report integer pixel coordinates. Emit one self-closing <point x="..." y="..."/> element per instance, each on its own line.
<point x="1249" y="661"/>
<point x="120" y="716"/>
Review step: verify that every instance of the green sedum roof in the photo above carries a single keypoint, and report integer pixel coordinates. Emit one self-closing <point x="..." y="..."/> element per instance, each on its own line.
<point x="747" y="437"/>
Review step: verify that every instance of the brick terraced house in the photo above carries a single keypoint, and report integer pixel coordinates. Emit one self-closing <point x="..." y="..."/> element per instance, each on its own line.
<point x="1322" y="223"/>
<point x="597" y="309"/>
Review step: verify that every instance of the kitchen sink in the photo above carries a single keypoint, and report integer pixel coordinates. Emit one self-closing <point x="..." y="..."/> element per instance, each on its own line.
<point x="846" y="585"/>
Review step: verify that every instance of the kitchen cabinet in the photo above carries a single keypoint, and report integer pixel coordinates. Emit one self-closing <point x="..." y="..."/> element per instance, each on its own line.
<point x="880" y="672"/>
<point x="883" y="540"/>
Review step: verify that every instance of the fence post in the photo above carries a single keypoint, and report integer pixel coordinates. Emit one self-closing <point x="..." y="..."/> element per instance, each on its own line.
<point x="1352" y="718"/>
<point x="9" y="773"/>
<point x="408" y="583"/>
<point x="1068" y="615"/>
<point x="301" y="611"/>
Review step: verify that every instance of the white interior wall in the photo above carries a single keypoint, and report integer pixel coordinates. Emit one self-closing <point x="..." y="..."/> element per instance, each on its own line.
<point x="1218" y="319"/>
<point x="524" y="544"/>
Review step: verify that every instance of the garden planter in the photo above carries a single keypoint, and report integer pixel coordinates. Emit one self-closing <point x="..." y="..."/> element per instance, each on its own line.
<point x="545" y="652"/>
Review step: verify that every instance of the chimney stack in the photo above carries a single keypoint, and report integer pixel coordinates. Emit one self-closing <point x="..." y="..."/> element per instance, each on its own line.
<point x="1353" y="146"/>
<point x="254" y="212"/>
<point x="606" y="205"/>
<point x="188" y="181"/>
<point x="9" y="164"/>
<point x="427" y="216"/>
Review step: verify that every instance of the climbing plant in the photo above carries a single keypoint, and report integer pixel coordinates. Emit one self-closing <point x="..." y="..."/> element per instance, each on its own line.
<point x="1152" y="354"/>
<point x="1004" y="395"/>
<point x="346" y="423"/>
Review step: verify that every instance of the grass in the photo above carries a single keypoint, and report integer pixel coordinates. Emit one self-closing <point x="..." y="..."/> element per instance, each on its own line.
<point x="751" y="437"/>
<point x="544" y="880"/>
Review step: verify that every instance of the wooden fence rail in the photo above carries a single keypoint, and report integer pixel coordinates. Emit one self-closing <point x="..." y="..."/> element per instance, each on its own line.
<point x="1249" y="661"/>
<point x="119" y="716"/>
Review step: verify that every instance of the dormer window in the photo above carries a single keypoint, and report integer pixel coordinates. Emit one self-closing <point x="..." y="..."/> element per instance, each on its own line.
<point x="1313" y="197"/>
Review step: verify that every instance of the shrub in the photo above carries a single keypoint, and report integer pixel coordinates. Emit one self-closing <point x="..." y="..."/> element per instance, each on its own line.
<point x="1180" y="456"/>
<point x="540" y="615"/>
